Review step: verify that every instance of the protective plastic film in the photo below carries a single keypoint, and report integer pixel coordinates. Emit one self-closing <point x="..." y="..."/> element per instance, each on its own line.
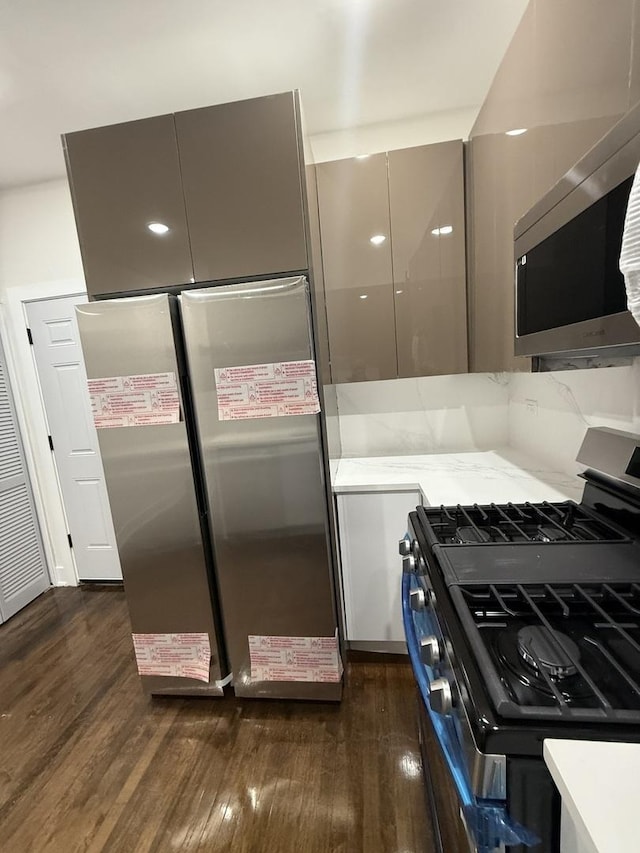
<point x="487" y="820"/>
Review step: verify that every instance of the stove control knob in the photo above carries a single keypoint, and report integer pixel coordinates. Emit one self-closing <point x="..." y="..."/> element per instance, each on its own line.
<point x="430" y="650"/>
<point x="404" y="546"/>
<point x="417" y="599"/>
<point x="440" y="697"/>
<point x="409" y="563"/>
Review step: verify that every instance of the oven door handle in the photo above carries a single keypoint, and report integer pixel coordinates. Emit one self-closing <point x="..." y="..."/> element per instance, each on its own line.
<point x="486" y="819"/>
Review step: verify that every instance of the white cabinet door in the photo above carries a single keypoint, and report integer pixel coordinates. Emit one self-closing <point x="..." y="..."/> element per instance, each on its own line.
<point x="370" y="526"/>
<point x="63" y="382"/>
<point x="570" y="835"/>
<point x="23" y="571"/>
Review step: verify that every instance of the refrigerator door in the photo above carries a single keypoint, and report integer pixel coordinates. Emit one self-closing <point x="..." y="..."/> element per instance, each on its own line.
<point x="152" y="493"/>
<point x="266" y="492"/>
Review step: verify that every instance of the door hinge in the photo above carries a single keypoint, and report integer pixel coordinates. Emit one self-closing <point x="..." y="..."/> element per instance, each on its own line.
<point x="30" y="336"/>
<point x="70" y="540"/>
<point x="50" y="443"/>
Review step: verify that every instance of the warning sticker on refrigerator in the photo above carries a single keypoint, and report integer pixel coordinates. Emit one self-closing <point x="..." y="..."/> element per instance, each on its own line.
<point x="295" y="659"/>
<point x="177" y="655"/>
<point x="267" y="390"/>
<point x="147" y="399"/>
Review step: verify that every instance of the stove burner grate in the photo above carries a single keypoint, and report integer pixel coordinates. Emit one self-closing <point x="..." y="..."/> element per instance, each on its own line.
<point x="571" y="650"/>
<point x="515" y="523"/>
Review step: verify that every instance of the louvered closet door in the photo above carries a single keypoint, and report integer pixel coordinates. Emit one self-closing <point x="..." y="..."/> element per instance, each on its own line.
<point x="23" y="572"/>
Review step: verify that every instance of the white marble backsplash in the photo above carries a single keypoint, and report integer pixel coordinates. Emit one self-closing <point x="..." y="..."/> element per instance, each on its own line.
<point x="549" y="413"/>
<point x="543" y="414"/>
<point x="426" y="415"/>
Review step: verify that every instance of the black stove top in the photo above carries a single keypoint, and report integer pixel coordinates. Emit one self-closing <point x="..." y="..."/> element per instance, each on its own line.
<point x="542" y="605"/>
<point x="545" y="542"/>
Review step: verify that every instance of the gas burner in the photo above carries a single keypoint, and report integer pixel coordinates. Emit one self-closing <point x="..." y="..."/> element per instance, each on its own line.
<point x="470" y="535"/>
<point x="546" y="533"/>
<point x="542" y="647"/>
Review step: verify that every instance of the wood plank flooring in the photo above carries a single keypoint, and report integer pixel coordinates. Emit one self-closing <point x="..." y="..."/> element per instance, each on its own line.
<point x="89" y="763"/>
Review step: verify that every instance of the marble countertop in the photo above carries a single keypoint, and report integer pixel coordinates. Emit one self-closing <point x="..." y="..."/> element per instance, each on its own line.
<point x="451" y="478"/>
<point x="598" y="785"/>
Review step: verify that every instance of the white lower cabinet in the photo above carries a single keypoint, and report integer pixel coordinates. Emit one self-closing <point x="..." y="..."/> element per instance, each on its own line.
<point x="570" y="840"/>
<point x="370" y="525"/>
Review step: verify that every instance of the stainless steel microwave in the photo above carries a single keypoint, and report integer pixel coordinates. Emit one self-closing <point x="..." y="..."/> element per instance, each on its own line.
<point x="570" y="294"/>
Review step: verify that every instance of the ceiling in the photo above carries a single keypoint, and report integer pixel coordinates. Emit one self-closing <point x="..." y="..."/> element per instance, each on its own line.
<point x="73" y="64"/>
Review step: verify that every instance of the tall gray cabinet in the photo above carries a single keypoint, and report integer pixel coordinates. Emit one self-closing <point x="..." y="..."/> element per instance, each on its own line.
<point x="354" y="208"/>
<point x="426" y="203"/>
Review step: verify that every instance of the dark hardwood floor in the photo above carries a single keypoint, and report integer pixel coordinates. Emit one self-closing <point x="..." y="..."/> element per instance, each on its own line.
<point x="89" y="763"/>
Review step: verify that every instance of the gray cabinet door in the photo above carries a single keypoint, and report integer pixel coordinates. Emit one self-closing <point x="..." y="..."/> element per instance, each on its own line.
<point x="426" y="199"/>
<point x="242" y="176"/>
<point x="354" y="207"/>
<point x="123" y="178"/>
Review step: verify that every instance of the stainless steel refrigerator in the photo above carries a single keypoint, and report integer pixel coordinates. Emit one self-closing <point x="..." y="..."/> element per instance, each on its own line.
<point x="211" y="443"/>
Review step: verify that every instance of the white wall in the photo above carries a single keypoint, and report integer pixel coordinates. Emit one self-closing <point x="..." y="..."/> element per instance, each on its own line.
<point x="373" y="138"/>
<point x="544" y="415"/>
<point x="549" y="413"/>
<point x="433" y="414"/>
<point x="39" y="258"/>
<point x="38" y="239"/>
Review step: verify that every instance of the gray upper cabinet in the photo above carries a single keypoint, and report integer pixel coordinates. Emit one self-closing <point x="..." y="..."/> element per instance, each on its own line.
<point x="354" y="207"/>
<point x="242" y="172"/>
<point x="123" y="178"/>
<point x="226" y="181"/>
<point x="396" y="307"/>
<point x="426" y="200"/>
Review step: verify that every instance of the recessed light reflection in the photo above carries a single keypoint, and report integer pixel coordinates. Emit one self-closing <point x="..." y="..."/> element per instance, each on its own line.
<point x="399" y="291"/>
<point x="410" y="766"/>
<point x="518" y="131"/>
<point x="362" y="156"/>
<point x="227" y="812"/>
<point x="377" y="239"/>
<point x="363" y="295"/>
<point x="444" y="229"/>
<point x="158" y="227"/>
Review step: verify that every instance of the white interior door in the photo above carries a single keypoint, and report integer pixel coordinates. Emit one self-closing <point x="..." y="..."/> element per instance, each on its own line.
<point x="23" y="571"/>
<point x="63" y="381"/>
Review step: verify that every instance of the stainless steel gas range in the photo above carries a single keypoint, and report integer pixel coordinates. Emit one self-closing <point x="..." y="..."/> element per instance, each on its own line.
<point x="523" y="623"/>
